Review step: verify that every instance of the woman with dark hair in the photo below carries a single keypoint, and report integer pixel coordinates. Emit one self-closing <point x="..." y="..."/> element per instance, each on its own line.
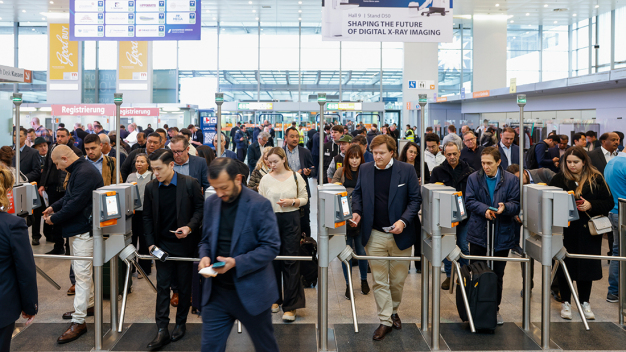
<point x="347" y="176"/>
<point x="143" y="176"/>
<point x="411" y="155"/>
<point x="206" y="152"/>
<point x="593" y="198"/>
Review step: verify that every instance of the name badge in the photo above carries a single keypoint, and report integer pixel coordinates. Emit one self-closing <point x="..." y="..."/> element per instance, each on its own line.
<point x="327" y="154"/>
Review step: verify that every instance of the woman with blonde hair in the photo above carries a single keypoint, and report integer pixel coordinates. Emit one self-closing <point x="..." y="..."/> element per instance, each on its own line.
<point x="261" y="169"/>
<point x="593" y="198"/>
<point x="16" y="258"/>
<point x="286" y="190"/>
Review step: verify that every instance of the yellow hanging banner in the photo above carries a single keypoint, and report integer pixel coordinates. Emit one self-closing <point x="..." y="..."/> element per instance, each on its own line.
<point x="133" y="61"/>
<point x="63" y="53"/>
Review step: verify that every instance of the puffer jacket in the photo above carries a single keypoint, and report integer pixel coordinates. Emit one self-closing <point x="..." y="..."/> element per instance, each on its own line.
<point x="477" y="201"/>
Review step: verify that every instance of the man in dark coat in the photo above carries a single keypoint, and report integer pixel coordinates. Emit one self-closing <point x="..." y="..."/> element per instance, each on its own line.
<point x="471" y="152"/>
<point x="454" y="172"/>
<point x="607" y="151"/>
<point x="255" y="150"/>
<point x="30" y="164"/>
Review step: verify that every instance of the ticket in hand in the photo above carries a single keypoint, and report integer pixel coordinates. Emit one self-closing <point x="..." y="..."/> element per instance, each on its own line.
<point x="208" y="271"/>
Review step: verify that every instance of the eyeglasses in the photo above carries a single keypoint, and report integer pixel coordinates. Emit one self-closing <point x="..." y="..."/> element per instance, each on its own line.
<point x="177" y="152"/>
<point x="468" y="140"/>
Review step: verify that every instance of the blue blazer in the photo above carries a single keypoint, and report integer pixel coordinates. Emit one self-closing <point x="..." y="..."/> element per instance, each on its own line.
<point x="255" y="244"/>
<point x="404" y="203"/>
<point x="199" y="170"/>
<point x="18" y="278"/>
<point x="514" y="156"/>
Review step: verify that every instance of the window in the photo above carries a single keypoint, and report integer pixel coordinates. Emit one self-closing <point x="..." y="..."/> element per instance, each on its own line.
<point x="455" y="57"/>
<point x="31" y="42"/>
<point x="7" y="57"/>
<point x="604" y="40"/>
<point x="523" y="52"/>
<point x="164" y="54"/>
<point x="199" y="55"/>
<point x="555" y="54"/>
<point x="580" y="48"/>
<point x="620" y="37"/>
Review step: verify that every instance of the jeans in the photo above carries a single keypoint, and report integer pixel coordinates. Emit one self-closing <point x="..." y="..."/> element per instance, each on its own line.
<point x="359" y="249"/>
<point x="82" y="246"/>
<point x="461" y="241"/>
<point x="614" y="267"/>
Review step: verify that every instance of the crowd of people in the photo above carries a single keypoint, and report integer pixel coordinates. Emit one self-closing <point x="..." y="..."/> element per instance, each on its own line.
<point x="261" y="209"/>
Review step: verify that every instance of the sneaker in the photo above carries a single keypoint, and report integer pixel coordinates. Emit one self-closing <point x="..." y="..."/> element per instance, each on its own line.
<point x="347" y="295"/>
<point x="611" y="298"/>
<point x="289" y="316"/>
<point x="566" y="311"/>
<point x="443" y="269"/>
<point x="365" y="287"/>
<point x="445" y="285"/>
<point x="499" y="319"/>
<point x="587" y="311"/>
<point x="275" y="308"/>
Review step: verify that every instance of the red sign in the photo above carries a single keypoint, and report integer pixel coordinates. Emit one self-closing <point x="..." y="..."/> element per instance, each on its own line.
<point x="442" y="99"/>
<point x="139" y="111"/>
<point x="28" y="76"/>
<point x="83" y="109"/>
<point x="481" y="94"/>
<point x="11" y="202"/>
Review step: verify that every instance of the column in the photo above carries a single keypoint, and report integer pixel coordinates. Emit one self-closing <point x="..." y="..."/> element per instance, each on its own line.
<point x="489" y="54"/>
<point x="134" y="72"/>
<point x="420" y="64"/>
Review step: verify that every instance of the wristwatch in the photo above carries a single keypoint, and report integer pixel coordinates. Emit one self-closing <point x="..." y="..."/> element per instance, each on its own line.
<point x="294" y="203"/>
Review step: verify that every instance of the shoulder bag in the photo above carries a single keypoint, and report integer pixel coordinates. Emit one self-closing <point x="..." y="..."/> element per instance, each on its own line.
<point x="297" y="190"/>
<point x="599" y="225"/>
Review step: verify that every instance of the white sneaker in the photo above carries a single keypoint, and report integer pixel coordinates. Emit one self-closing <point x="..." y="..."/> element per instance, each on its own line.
<point x="587" y="311"/>
<point x="275" y="308"/>
<point x="499" y="319"/>
<point x="443" y="269"/>
<point x="566" y="311"/>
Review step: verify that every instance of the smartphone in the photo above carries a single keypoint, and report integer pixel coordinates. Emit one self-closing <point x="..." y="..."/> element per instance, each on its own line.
<point x="352" y="221"/>
<point x="178" y="232"/>
<point x="389" y="228"/>
<point x="493" y="209"/>
<point x="218" y="265"/>
<point x="159" y="253"/>
<point x="580" y="202"/>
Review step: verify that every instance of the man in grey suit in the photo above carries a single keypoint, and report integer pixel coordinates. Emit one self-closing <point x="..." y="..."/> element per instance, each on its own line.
<point x="255" y="150"/>
<point x="608" y="149"/>
<point x="189" y="165"/>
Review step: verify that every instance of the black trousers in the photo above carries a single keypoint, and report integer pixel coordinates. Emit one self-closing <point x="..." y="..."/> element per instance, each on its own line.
<point x="241" y="154"/>
<point x="305" y="220"/>
<point x="219" y="315"/>
<point x="139" y="241"/>
<point x="5" y="337"/>
<point x="289" y="228"/>
<point x="584" y="288"/>
<point x="498" y="266"/>
<point x="555" y="283"/>
<point x="165" y="272"/>
<point x="54" y="231"/>
<point x="36" y="229"/>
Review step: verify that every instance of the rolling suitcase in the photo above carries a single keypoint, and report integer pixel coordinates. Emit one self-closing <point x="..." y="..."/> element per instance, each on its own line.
<point x="481" y="286"/>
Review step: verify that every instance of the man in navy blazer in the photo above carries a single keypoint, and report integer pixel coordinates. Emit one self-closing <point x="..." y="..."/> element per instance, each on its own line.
<point x="29" y="159"/>
<point x="255" y="150"/>
<point x="508" y="150"/>
<point x="387" y="195"/>
<point x="302" y="165"/>
<point x="18" y="281"/>
<point x="189" y="165"/>
<point x="239" y="229"/>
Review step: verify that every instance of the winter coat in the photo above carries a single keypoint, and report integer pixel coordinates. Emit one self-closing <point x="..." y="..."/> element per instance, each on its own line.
<point x="477" y="201"/>
<point x="443" y="174"/>
<point x="255" y="179"/>
<point x="576" y="237"/>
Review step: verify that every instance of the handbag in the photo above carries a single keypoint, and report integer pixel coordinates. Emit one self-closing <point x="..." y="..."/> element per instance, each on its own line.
<point x="298" y="188"/>
<point x="599" y="225"/>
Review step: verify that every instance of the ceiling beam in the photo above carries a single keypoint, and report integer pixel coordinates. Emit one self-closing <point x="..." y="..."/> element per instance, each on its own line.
<point x="229" y="78"/>
<point x="319" y="77"/>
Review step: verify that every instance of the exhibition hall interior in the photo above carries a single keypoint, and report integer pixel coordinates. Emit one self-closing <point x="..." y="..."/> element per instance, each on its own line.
<point x="164" y="184"/>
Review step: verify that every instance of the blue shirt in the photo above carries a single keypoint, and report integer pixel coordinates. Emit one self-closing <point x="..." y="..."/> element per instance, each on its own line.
<point x="173" y="181"/>
<point x="293" y="158"/>
<point x="615" y="175"/>
<point x="491" y="184"/>
<point x="183" y="169"/>
<point x="97" y="163"/>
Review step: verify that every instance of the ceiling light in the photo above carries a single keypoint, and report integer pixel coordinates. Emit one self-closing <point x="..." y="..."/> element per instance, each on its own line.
<point x="546" y="5"/>
<point x="45" y="108"/>
<point x="207" y="11"/>
<point x="597" y="6"/>
<point x="497" y="5"/>
<point x="214" y="18"/>
<point x="299" y="19"/>
<point x="52" y="2"/>
<point x="512" y="21"/>
<point x="23" y="10"/>
<point x="574" y="15"/>
<point x="28" y="109"/>
<point x="527" y="14"/>
<point x="257" y="20"/>
<point x="555" y="22"/>
<point x="33" y="29"/>
<point x="300" y="11"/>
<point x="514" y="37"/>
<point x="170" y="109"/>
<point x="43" y="18"/>
<point x="299" y="2"/>
<point x="253" y="10"/>
<point x="250" y="2"/>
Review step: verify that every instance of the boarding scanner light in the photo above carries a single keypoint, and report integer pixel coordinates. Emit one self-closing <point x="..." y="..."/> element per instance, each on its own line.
<point x="521" y="100"/>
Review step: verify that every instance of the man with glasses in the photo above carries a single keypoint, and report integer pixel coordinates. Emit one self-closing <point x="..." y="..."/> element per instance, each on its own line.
<point x="255" y="150"/>
<point x="471" y="152"/>
<point x="189" y="165"/>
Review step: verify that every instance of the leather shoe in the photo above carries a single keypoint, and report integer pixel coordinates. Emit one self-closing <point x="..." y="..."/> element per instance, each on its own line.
<point x="35" y="242"/>
<point x="174" y="300"/>
<point x="381" y="331"/>
<point x="162" y="338"/>
<point x="72" y="333"/>
<point x="556" y="295"/>
<point x="68" y="315"/>
<point x="179" y="332"/>
<point x="397" y="323"/>
<point x="71" y="291"/>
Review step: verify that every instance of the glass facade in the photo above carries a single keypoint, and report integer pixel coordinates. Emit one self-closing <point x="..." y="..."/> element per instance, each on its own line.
<point x="455" y="62"/>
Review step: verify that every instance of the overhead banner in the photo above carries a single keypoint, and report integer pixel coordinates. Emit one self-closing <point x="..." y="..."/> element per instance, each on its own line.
<point x="133" y="61"/>
<point x="83" y="109"/>
<point x="63" y="53"/>
<point x="128" y="19"/>
<point x="387" y="20"/>
<point x="147" y="112"/>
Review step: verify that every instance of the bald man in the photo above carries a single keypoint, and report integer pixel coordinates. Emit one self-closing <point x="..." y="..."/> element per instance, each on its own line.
<point x="72" y="213"/>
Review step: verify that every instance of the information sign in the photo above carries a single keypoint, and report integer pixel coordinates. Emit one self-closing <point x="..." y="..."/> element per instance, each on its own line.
<point x="208" y="124"/>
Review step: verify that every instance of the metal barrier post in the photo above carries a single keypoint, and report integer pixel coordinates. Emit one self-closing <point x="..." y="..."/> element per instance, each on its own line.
<point x="546" y="269"/>
<point x="113" y="292"/>
<point x="436" y="279"/>
<point x="117" y="99"/>
<point x="521" y="102"/>
<point x="423" y="99"/>
<point x="17" y="101"/>
<point x="219" y="100"/>
<point x="98" y="261"/>
<point x="352" y="305"/>
<point x="621" y="231"/>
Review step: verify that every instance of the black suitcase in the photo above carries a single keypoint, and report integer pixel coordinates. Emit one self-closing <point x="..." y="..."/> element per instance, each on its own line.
<point x="308" y="269"/>
<point x="481" y="286"/>
<point x="121" y="276"/>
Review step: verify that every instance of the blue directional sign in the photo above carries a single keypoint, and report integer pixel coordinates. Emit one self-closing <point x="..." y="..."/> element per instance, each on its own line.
<point x="412" y="84"/>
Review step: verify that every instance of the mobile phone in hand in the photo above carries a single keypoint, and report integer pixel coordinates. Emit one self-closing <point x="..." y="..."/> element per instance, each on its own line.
<point x="580" y="202"/>
<point x="218" y="265"/>
<point x="493" y="209"/>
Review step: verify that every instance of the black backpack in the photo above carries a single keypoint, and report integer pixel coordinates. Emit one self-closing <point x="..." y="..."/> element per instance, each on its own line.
<point x="530" y="161"/>
<point x="308" y="269"/>
<point x="481" y="286"/>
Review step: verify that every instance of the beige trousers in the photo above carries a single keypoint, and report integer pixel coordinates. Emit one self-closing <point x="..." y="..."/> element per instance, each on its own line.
<point x="389" y="276"/>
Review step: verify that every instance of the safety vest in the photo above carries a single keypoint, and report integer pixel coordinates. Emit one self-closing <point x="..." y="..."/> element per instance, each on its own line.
<point x="301" y="133"/>
<point x="410" y="136"/>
